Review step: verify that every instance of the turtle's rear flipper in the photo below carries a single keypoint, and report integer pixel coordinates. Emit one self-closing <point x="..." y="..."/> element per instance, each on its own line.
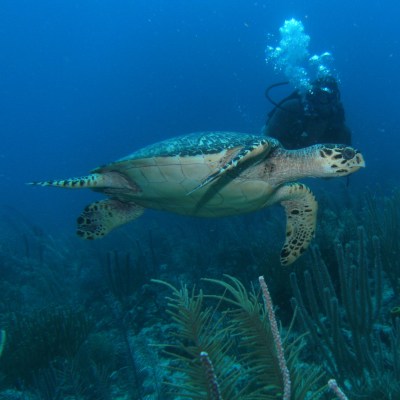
<point x="301" y="219"/>
<point x="101" y="217"/>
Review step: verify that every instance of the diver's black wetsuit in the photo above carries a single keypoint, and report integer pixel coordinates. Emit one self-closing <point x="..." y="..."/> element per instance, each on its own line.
<point x="295" y="127"/>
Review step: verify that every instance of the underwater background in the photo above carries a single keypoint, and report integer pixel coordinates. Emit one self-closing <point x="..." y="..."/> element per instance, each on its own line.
<point x="84" y="83"/>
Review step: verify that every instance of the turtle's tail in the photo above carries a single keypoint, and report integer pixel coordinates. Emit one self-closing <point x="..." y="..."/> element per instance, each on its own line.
<point x="88" y="181"/>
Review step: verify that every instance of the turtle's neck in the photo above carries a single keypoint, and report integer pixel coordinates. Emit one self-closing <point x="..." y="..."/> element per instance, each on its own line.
<point x="290" y="165"/>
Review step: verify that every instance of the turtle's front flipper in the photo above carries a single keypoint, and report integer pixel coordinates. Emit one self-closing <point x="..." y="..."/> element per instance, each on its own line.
<point x="99" y="218"/>
<point x="250" y="151"/>
<point x="301" y="219"/>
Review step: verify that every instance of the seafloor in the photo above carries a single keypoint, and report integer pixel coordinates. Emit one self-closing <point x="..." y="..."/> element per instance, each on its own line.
<point x="91" y="320"/>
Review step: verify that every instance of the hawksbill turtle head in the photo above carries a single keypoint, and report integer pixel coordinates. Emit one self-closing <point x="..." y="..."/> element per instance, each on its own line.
<point x="318" y="161"/>
<point x="325" y="161"/>
<point x="337" y="159"/>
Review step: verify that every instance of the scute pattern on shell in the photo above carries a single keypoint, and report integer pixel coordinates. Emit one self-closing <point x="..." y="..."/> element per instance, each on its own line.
<point x="195" y="144"/>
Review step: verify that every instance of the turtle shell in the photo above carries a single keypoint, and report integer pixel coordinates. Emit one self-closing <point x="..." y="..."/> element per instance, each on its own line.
<point x="165" y="175"/>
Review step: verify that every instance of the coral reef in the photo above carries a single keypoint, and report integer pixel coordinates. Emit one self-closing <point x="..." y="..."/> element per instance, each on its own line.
<point x="85" y="321"/>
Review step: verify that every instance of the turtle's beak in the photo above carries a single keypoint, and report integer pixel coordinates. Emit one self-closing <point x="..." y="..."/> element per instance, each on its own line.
<point x="342" y="160"/>
<point x="350" y="165"/>
<point x="358" y="162"/>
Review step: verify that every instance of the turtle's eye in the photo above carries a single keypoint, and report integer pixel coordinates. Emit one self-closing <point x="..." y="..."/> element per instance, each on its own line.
<point x="348" y="153"/>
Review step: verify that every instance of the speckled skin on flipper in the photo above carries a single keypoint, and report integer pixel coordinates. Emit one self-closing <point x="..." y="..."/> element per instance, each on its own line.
<point x="99" y="218"/>
<point x="213" y="174"/>
<point x="301" y="219"/>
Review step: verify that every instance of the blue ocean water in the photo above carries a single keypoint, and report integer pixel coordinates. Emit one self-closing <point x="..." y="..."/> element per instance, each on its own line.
<point x="84" y="83"/>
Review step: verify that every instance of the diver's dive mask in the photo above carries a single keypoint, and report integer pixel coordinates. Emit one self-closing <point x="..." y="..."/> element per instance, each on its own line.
<point x="325" y="95"/>
<point x="322" y="98"/>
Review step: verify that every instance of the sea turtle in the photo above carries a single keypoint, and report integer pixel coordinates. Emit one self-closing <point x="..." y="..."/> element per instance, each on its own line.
<point x="213" y="174"/>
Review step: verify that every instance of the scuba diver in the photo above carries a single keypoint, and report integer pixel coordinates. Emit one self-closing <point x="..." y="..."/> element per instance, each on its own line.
<point x="317" y="116"/>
